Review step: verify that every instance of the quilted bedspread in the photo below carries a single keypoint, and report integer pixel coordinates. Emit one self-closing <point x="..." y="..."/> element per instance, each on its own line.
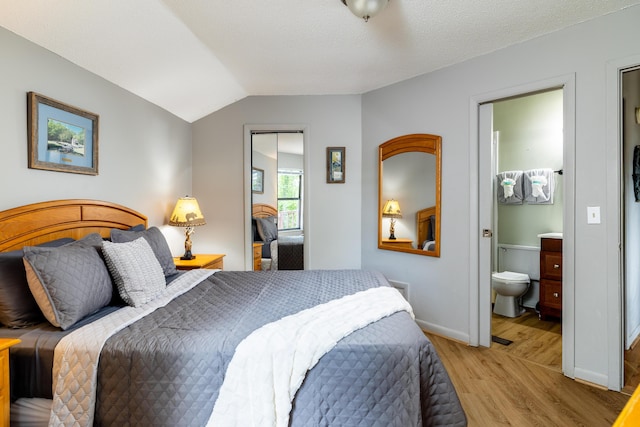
<point x="167" y="368"/>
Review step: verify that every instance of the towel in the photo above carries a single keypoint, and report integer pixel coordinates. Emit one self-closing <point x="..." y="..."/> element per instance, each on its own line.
<point x="538" y="186"/>
<point x="510" y="187"/>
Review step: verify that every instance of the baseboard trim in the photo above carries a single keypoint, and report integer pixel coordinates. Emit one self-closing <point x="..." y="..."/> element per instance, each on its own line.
<point x="443" y="332"/>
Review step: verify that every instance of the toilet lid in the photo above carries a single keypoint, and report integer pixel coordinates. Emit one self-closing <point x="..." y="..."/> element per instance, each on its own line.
<point x="510" y="276"/>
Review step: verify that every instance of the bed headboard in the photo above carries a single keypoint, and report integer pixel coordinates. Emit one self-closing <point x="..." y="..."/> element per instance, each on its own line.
<point x="261" y="210"/>
<point x="42" y="222"/>
<point x="423" y="222"/>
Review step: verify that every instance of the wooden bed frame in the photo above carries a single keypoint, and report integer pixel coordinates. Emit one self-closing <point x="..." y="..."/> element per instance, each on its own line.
<point x="261" y="210"/>
<point x="42" y="222"/>
<point x="423" y="222"/>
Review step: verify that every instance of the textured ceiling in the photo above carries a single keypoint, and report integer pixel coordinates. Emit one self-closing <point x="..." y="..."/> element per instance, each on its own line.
<point x="193" y="57"/>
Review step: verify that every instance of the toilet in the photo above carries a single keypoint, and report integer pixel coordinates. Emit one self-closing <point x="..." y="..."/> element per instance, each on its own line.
<point x="509" y="286"/>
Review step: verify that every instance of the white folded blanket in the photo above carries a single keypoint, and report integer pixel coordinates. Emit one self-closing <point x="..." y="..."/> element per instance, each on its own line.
<point x="269" y="365"/>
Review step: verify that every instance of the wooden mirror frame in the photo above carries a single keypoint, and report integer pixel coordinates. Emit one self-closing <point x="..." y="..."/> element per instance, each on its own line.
<point x="422" y="143"/>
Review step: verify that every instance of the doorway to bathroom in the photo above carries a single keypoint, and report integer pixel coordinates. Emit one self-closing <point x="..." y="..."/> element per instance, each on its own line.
<point x="527" y="219"/>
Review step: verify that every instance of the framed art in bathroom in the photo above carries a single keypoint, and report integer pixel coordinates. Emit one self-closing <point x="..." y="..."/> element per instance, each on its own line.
<point x="61" y="137"/>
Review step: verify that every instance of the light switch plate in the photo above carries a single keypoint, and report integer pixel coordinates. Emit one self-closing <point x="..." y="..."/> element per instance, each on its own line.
<point x="593" y="214"/>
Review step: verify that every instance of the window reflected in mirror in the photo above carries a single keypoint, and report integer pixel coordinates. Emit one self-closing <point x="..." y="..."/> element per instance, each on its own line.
<point x="409" y="194"/>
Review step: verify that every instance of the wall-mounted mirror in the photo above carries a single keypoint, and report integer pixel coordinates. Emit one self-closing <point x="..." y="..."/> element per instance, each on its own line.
<point x="409" y="194"/>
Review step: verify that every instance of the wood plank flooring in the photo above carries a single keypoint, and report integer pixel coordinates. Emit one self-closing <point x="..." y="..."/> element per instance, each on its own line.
<point x="497" y="388"/>
<point x="538" y="341"/>
<point x="521" y="384"/>
<point x="631" y="369"/>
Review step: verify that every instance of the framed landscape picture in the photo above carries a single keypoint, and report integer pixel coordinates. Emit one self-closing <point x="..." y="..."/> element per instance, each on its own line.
<point x="62" y="138"/>
<point x="335" y="165"/>
<point x="257" y="180"/>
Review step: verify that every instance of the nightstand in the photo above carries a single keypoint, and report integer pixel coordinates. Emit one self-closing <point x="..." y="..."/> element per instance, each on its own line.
<point x="211" y="261"/>
<point x="257" y="256"/>
<point x="400" y="242"/>
<point x="5" y="383"/>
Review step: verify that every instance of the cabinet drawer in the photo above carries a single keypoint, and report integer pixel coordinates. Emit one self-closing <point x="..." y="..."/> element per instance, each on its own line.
<point x="551" y="265"/>
<point x="551" y="245"/>
<point x="551" y="293"/>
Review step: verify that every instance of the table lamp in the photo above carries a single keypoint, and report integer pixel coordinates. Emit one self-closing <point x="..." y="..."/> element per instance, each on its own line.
<point x="187" y="214"/>
<point x="391" y="210"/>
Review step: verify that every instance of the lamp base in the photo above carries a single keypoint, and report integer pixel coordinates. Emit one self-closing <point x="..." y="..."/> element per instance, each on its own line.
<point x="188" y="256"/>
<point x="392" y="237"/>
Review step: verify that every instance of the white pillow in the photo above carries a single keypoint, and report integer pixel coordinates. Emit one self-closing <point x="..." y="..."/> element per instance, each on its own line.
<point x="135" y="270"/>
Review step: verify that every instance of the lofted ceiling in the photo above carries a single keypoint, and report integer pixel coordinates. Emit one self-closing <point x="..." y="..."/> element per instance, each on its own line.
<point x="194" y="57"/>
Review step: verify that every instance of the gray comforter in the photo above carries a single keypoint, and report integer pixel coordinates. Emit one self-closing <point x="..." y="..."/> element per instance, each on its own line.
<point x="166" y="369"/>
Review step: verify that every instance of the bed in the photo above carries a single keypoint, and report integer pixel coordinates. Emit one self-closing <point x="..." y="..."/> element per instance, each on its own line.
<point x="279" y="251"/>
<point x="171" y="359"/>
<point x="426" y="226"/>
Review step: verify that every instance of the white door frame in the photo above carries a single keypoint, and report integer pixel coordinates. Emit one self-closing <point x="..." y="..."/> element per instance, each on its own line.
<point x="480" y="258"/>
<point x="248" y="243"/>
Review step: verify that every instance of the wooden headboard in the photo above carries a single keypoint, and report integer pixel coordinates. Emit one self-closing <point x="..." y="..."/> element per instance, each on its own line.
<point x="423" y="222"/>
<point x="261" y="210"/>
<point x="42" y="222"/>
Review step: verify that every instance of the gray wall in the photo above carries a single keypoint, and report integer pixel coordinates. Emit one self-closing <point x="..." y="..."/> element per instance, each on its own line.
<point x="333" y="231"/>
<point x="439" y="103"/>
<point x="144" y="152"/>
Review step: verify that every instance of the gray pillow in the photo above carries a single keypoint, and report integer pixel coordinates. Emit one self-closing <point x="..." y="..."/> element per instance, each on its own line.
<point x="68" y="282"/>
<point x="267" y="229"/>
<point x="157" y="242"/>
<point x="18" y="308"/>
<point x="135" y="270"/>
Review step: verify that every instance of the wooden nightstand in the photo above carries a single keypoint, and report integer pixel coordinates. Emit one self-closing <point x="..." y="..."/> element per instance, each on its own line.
<point x="400" y="242"/>
<point x="211" y="261"/>
<point x="5" y="383"/>
<point x="257" y="256"/>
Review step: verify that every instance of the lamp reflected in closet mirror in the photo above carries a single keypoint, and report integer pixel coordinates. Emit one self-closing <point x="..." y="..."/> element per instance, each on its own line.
<point x="409" y="170"/>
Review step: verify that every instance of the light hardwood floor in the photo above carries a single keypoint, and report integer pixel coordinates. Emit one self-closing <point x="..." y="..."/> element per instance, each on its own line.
<point x="538" y="341"/>
<point x="497" y="387"/>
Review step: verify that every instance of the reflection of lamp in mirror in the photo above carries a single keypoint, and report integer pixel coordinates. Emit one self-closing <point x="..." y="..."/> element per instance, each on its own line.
<point x="391" y="210"/>
<point x="187" y="214"/>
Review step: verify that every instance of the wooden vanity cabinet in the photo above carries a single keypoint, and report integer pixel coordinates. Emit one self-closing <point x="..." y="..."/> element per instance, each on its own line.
<point x="550" y="278"/>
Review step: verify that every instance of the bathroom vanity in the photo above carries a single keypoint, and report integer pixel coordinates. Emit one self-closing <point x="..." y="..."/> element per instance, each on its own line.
<point x="550" y="275"/>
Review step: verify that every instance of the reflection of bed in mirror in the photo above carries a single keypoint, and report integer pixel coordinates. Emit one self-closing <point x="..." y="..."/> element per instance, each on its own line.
<point x="282" y="252"/>
<point x="426" y="226"/>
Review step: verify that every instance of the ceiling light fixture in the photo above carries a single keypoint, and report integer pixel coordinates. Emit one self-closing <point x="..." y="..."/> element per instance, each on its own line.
<point x="365" y="9"/>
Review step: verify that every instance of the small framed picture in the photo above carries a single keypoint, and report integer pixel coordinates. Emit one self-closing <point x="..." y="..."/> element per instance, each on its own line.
<point x="335" y="165"/>
<point x="257" y="180"/>
<point x="62" y="138"/>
